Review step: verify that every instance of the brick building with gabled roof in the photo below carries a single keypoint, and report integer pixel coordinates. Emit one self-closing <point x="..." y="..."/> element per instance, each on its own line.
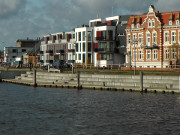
<point x="153" y="39"/>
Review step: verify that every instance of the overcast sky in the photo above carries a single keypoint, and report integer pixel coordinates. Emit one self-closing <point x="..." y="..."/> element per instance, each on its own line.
<point x="20" y="19"/>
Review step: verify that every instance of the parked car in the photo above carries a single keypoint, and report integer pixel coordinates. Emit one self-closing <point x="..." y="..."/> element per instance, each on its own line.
<point x="61" y="64"/>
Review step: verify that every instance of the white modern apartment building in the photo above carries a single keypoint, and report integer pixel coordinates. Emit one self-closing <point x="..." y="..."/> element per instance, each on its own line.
<point x="83" y="46"/>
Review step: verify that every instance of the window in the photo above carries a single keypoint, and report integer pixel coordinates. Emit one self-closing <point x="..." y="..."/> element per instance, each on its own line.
<point x="137" y="25"/>
<point x="135" y="55"/>
<point x="154" y="38"/>
<point x="129" y="39"/>
<point x="84" y="47"/>
<point x="170" y="22"/>
<point x="79" y="35"/>
<point x="177" y="22"/>
<point x="132" y="25"/>
<point x="23" y="50"/>
<point x="153" y="23"/>
<point x="155" y="55"/>
<point x="173" y="51"/>
<point x="167" y="54"/>
<point x="80" y="47"/>
<point x="149" y="23"/>
<point x="14" y="50"/>
<point x="148" y="54"/>
<point x="140" y="55"/>
<point x="84" y="35"/>
<point x="79" y="56"/>
<point x="179" y="36"/>
<point x="140" y="39"/>
<point x="167" y="37"/>
<point x="134" y="37"/>
<point x="148" y="39"/>
<point x="173" y="37"/>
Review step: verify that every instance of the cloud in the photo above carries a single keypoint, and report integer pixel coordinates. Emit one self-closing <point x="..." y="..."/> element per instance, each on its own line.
<point x="9" y="7"/>
<point x="33" y="18"/>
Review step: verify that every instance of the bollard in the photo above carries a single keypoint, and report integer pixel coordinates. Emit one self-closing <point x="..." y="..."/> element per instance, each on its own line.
<point x="141" y="80"/>
<point x="72" y="69"/>
<point x="35" y="84"/>
<point x="78" y="80"/>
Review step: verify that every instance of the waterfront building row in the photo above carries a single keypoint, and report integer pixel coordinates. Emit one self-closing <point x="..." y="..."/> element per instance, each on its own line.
<point x="150" y="40"/>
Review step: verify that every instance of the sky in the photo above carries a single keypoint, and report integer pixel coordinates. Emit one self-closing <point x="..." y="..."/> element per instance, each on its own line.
<point x="20" y="19"/>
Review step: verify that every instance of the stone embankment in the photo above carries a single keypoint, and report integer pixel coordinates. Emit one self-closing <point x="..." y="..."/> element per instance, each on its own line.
<point x="146" y="83"/>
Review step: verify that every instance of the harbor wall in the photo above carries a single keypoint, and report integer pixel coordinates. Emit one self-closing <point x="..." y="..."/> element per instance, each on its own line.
<point x="10" y="74"/>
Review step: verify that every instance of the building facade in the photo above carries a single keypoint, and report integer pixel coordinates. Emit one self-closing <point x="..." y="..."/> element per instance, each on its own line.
<point x="153" y="40"/>
<point x="54" y="47"/>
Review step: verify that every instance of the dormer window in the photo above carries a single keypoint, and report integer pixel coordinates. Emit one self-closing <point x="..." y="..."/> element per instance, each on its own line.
<point x="132" y="25"/>
<point x="177" y="22"/>
<point x="170" y="22"/>
<point x="138" y="25"/>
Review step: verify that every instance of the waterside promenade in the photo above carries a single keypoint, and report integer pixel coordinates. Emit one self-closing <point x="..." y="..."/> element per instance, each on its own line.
<point x="141" y="83"/>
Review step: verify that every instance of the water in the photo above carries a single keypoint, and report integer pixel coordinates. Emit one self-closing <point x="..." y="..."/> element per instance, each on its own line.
<point x="48" y="111"/>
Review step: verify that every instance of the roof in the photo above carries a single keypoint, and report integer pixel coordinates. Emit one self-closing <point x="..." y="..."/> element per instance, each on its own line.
<point x="164" y="17"/>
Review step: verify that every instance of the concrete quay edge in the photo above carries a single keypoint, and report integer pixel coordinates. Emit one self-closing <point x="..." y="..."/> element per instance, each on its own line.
<point x="92" y="87"/>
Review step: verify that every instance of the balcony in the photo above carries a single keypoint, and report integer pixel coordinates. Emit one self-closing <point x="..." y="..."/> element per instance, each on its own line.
<point x="59" y="51"/>
<point x="41" y="61"/>
<point x="49" y="51"/>
<point x="71" y="50"/>
<point x="105" y="50"/>
<point x="41" y="52"/>
<point x="71" y="61"/>
<point x="104" y="38"/>
<point x="154" y="46"/>
<point x="49" y="61"/>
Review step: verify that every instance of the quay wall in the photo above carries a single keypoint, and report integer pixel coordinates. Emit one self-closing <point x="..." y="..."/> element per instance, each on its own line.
<point x="10" y="74"/>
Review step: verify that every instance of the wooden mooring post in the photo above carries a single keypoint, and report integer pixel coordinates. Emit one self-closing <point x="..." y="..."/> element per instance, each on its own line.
<point x="141" y="80"/>
<point x="35" y="83"/>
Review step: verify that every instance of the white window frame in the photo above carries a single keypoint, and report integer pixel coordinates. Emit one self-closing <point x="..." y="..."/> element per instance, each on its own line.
<point x="166" y="37"/>
<point x="173" y="53"/>
<point x="148" y="38"/>
<point x="137" y="25"/>
<point x="149" y="23"/>
<point x="170" y="22"/>
<point x="155" y="37"/>
<point x="141" y="55"/>
<point x="132" y="25"/>
<point x="140" y="38"/>
<point x="167" y="54"/>
<point x="177" y="22"/>
<point x="155" y="54"/>
<point x="153" y="23"/>
<point x="148" y="54"/>
<point x="173" y="37"/>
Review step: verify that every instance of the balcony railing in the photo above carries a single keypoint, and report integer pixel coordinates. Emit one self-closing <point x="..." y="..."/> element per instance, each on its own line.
<point x="105" y="38"/>
<point x="60" y="51"/>
<point x="71" y="61"/>
<point x="41" y="52"/>
<point x="104" y="50"/>
<point x="71" y="50"/>
<point x="49" y="51"/>
<point x="49" y="61"/>
<point x="41" y="61"/>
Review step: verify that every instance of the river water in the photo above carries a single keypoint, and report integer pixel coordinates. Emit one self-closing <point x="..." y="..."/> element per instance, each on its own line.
<point x="52" y="111"/>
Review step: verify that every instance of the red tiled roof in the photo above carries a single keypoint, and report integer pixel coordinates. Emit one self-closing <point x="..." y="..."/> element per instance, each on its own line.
<point x="163" y="17"/>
